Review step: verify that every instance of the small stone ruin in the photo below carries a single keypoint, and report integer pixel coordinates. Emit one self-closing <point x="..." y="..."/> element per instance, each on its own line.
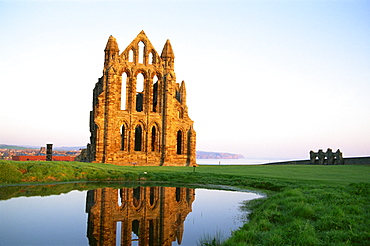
<point x="326" y="158"/>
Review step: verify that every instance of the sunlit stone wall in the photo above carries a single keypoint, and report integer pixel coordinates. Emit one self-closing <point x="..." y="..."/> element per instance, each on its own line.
<point x="140" y="115"/>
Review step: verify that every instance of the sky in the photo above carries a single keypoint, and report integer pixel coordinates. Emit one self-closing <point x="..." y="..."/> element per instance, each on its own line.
<point x="265" y="79"/>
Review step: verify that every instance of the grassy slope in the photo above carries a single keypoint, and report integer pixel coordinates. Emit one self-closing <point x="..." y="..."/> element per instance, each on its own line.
<point x="327" y="174"/>
<point x="306" y="205"/>
<point x="336" y="174"/>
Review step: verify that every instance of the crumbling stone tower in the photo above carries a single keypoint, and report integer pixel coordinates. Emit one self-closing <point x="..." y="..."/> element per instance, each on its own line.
<point x="140" y="115"/>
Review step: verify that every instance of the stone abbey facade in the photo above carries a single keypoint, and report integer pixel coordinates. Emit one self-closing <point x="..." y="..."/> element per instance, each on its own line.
<point x="140" y="115"/>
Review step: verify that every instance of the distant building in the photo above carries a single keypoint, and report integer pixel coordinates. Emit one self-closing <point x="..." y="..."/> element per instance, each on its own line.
<point x="42" y="150"/>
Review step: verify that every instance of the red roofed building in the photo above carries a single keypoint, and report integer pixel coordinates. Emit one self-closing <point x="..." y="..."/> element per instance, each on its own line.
<point x="41" y="158"/>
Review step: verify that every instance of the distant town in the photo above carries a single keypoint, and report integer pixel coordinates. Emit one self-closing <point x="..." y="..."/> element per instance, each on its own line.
<point x="11" y="152"/>
<point x="14" y="152"/>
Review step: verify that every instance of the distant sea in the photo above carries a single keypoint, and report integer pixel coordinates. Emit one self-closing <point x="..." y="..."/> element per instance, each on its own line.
<point x="245" y="161"/>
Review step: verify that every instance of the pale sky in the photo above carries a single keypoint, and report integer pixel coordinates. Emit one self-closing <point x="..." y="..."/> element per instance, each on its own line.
<point x="266" y="79"/>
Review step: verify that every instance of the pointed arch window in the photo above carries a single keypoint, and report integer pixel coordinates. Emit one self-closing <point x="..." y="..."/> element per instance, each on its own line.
<point x="151" y="58"/>
<point x="121" y="197"/>
<point x="131" y="56"/>
<point x="178" y="194"/>
<point x="141" y="54"/>
<point x="178" y="96"/>
<point x="155" y="94"/>
<point x="139" y="92"/>
<point x="138" y="138"/>
<point x="123" y="91"/>
<point x="140" y="82"/>
<point x="135" y="231"/>
<point x="154" y="139"/>
<point x="139" y="102"/>
<point x="179" y="142"/>
<point x="152" y="196"/>
<point x="123" y="132"/>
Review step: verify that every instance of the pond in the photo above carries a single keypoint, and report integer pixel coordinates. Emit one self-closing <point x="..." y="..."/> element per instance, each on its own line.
<point x="125" y="216"/>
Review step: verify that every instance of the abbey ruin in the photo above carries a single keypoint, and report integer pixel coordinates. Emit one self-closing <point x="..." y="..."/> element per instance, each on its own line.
<point x="140" y="115"/>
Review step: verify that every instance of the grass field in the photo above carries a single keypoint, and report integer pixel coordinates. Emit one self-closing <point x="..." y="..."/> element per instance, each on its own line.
<point x="305" y="204"/>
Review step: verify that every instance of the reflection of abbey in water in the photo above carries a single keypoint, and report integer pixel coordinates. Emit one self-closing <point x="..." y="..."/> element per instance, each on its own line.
<point x="145" y="215"/>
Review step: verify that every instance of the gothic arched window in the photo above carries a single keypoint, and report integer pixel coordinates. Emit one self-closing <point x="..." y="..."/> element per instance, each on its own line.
<point x="154" y="138"/>
<point x="131" y="56"/>
<point x="139" y="92"/>
<point x="151" y="58"/>
<point x="155" y="94"/>
<point x="141" y="52"/>
<point x="178" y="194"/>
<point x="138" y="138"/>
<point x="179" y="142"/>
<point x="123" y="137"/>
<point x="123" y="91"/>
<point x="152" y="196"/>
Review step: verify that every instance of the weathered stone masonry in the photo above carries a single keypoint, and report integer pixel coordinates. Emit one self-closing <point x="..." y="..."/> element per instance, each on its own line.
<point x="140" y="115"/>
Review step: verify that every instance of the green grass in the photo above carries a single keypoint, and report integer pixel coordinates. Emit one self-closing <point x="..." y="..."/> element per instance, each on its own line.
<point x="309" y="216"/>
<point x="38" y="171"/>
<point x="305" y="204"/>
<point x="15" y="172"/>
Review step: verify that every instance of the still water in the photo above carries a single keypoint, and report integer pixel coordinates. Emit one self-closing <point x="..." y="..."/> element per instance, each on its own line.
<point x="125" y="216"/>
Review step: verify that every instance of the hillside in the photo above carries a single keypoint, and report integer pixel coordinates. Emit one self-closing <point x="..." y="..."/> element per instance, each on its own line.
<point x="217" y="155"/>
<point x="5" y="146"/>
